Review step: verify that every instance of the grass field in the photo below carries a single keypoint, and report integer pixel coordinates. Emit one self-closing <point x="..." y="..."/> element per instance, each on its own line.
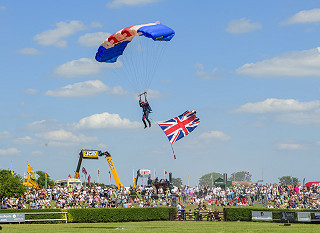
<point x="163" y="226"/>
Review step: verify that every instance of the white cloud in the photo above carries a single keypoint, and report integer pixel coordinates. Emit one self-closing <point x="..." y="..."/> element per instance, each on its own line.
<point x="102" y="146"/>
<point x="300" y="118"/>
<point x="278" y="105"/>
<point x="64" y="138"/>
<point x="305" y="16"/>
<point x="290" y="146"/>
<point x="294" y="64"/>
<point x="44" y="125"/>
<point x="9" y="151"/>
<point x="84" y="89"/>
<point x="30" y="91"/>
<point x="119" y="3"/>
<point x="93" y="39"/>
<point x="105" y="120"/>
<point x="213" y="135"/>
<point x="24" y="140"/>
<point x="212" y="75"/>
<point x="4" y="134"/>
<point x="242" y="25"/>
<point x="29" y="51"/>
<point x="96" y="25"/>
<point x="118" y="90"/>
<point x="83" y="66"/>
<point x="55" y="37"/>
<point x="152" y="94"/>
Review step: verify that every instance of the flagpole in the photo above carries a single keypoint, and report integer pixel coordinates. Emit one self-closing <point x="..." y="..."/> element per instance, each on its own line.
<point x="174" y="155"/>
<point x="133" y="177"/>
<point x="98" y="177"/>
<point x="46" y="176"/>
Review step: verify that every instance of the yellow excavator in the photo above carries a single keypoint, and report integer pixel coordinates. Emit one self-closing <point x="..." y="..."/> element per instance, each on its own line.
<point x="94" y="154"/>
<point x="30" y="179"/>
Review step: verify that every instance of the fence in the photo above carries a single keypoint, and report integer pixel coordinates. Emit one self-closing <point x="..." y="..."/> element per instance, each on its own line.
<point x="43" y="220"/>
<point x="20" y="217"/>
<point x="200" y="215"/>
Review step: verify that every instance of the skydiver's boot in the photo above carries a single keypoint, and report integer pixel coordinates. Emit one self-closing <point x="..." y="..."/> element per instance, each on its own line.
<point x="144" y="122"/>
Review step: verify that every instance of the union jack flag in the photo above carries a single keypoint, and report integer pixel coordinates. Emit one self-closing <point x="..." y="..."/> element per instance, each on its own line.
<point x="247" y="174"/>
<point x="180" y="126"/>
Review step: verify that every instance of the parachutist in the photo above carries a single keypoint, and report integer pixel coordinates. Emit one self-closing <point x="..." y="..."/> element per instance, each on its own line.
<point x="146" y="109"/>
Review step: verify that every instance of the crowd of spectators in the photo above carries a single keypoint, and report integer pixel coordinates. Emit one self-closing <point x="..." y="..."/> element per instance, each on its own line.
<point x="91" y="197"/>
<point x="267" y="195"/>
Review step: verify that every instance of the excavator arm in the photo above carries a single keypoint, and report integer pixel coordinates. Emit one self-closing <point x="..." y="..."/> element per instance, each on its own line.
<point x="113" y="169"/>
<point x="76" y="173"/>
<point x="136" y="180"/>
<point x="93" y="154"/>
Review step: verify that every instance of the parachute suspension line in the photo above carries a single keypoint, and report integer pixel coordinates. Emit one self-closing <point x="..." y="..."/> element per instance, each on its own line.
<point x="143" y="61"/>
<point x="161" y="47"/>
<point x="124" y="75"/>
<point x="140" y="54"/>
<point x="140" y="61"/>
<point x="129" y="69"/>
<point x="150" y="57"/>
<point x="132" y="62"/>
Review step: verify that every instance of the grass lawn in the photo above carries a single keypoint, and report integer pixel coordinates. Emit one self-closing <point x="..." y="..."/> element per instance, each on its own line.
<point x="163" y="226"/>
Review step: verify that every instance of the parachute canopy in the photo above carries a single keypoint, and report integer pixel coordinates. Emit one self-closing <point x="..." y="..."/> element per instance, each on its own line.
<point x="114" y="46"/>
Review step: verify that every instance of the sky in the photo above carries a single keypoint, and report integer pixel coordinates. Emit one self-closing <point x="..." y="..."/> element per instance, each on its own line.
<point x="250" y="69"/>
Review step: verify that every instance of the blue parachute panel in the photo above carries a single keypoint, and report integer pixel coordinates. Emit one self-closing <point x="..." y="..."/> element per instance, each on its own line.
<point x="157" y="32"/>
<point x="111" y="55"/>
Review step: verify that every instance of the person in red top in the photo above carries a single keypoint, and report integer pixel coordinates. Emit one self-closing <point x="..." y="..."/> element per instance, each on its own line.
<point x="146" y="109"/>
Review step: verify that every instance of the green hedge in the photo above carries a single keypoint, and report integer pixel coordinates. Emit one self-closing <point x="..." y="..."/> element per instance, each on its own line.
<point x="36" y="216"/>
<point x="120" y="215"/>
<point x="245" y="214"/>
<point x="101" y="214"/>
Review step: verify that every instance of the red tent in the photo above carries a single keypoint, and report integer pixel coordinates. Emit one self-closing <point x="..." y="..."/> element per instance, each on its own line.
<point x="309" y="184"/>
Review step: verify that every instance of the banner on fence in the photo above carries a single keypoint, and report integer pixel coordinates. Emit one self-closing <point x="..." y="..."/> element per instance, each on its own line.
<point x="262" y="216"/>
<point x="304" y="217"/>
<point x="317" y="216"/>
<point x="288" y="216"/>
<point x="16" y="217"/>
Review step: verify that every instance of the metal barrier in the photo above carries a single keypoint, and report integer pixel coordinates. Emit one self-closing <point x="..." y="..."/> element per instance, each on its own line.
<point x="200" y="216"/>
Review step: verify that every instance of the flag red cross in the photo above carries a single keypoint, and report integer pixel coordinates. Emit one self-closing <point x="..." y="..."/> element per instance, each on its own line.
<point x="180" y="125"/>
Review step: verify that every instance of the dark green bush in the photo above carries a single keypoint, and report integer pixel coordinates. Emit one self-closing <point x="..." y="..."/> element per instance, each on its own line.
<point x="119" y="215"/>
<point x="238" y="214"/>
<point x="100" y="214"/>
